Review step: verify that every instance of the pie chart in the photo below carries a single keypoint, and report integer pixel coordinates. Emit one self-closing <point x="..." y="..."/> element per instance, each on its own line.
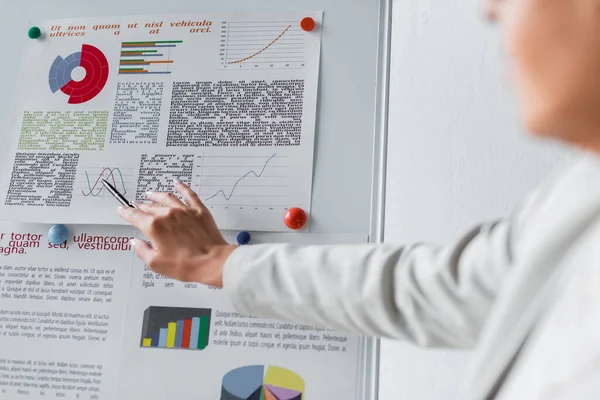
<point x="96" y="68"/>
<point x="260" y="382"/>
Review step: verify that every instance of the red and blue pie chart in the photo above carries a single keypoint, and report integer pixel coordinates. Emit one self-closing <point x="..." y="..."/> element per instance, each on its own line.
<point x="96" y="67"/>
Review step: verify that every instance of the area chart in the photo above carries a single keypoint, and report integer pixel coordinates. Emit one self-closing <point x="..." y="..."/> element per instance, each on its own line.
<point x="176" y="328"/>
<point x="259" y="382"/>
<point x="96" y="67"/>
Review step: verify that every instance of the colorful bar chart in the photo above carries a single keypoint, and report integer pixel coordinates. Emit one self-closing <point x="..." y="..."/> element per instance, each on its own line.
<point x="154" y="57"/>
<point x="176" y="328"/>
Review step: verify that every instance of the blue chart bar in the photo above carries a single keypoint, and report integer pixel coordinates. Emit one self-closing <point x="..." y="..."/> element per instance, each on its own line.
<point x="179" y="334"/>
<point x="149" y="73"/>
<point x="155" y="340"/>
<point x="162" y="340"/>
<point x="130" y="47"/>
<point x="145" y="55"/>
<point x="195" y="332"/>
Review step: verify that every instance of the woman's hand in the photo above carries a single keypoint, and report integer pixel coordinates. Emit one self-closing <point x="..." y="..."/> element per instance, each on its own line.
<point x="186" y="243"/>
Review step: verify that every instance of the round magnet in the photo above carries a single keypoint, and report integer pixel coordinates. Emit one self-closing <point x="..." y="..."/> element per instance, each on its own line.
<point x="58" y="234"/>
<point x="295" y="218"/>
<point x="243" y="238"/>
<point x="34" y="33"/>
<point x="307" y="24"/>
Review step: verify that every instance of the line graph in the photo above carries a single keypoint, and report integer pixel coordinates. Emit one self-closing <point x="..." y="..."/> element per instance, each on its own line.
<point x="262" y="44"/>
<point x="95" y="189"/>
<point x="262" y="50"/>
<point x="245" y="187"/>
<point x="89" y="183"/>
<point x="258" y="175"/>
<point x="260" y="181"/>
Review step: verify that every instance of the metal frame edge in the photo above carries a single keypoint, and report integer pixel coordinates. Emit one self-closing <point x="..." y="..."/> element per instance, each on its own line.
<point x="371" y="346"/>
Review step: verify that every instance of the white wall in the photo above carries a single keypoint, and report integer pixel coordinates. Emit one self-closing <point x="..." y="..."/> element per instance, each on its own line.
<point x="456" y="156"/>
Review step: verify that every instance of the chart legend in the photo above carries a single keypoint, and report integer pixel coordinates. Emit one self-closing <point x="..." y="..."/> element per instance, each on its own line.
<point x="176" y="328"/>
<point x="153" y="57"/>
<point x="259" y="382"/>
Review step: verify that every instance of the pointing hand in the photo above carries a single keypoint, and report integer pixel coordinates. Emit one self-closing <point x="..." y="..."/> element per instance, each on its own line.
<point x="186" y="242"/>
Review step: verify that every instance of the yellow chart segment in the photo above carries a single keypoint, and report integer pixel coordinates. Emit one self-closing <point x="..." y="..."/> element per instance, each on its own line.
<point x="282" y="377"/>
<point x="171" y="335"/>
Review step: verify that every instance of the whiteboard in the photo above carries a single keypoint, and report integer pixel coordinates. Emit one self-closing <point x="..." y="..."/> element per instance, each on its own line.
<point x="352" y="105"/>
<point x="348" y="89"/>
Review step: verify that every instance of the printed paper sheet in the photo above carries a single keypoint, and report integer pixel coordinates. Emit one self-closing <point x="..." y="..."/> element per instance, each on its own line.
<point x="224" y="102"/>
<point x="87" y="320"/>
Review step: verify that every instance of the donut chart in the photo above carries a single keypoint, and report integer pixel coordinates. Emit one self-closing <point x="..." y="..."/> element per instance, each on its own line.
<point x="96" y="67"/>
<point x="260" y="382"/>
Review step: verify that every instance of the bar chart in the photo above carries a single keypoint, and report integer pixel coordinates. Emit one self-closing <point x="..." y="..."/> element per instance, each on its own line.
<point x="176" y="328"/>
<point x="154" y="57"/>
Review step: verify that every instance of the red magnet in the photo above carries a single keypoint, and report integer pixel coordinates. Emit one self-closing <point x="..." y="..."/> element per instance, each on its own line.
<point x="307" y="24"/>
<point x="295" y="218"/>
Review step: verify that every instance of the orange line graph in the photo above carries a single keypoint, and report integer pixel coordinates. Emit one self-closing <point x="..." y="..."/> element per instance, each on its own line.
<point x="258" y="52"/>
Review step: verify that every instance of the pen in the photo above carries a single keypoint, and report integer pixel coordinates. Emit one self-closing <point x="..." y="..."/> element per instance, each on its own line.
<point x="117" y="195"/>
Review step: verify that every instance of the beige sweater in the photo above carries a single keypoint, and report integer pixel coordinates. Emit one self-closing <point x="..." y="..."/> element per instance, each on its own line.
<point x="523" y="291"/>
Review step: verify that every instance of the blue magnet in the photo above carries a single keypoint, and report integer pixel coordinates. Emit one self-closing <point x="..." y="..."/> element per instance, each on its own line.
<point x="243" y="238"/>
<point x="58" y="234"/>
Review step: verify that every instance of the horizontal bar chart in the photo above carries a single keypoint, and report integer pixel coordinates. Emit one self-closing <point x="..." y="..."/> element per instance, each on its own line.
<point x="152" y="57"/>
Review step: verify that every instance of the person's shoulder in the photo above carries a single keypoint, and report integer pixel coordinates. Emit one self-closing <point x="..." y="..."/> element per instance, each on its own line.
<point x="571" y="188"/>
<point x="575" y="171"/>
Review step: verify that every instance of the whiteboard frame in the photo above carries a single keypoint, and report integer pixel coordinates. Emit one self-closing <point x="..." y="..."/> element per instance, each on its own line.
<point x="371" y="347"/>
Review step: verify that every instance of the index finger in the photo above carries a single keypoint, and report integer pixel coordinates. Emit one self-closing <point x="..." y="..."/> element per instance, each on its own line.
<point x="190" y="197"/>
<point x="135" y="217"/>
